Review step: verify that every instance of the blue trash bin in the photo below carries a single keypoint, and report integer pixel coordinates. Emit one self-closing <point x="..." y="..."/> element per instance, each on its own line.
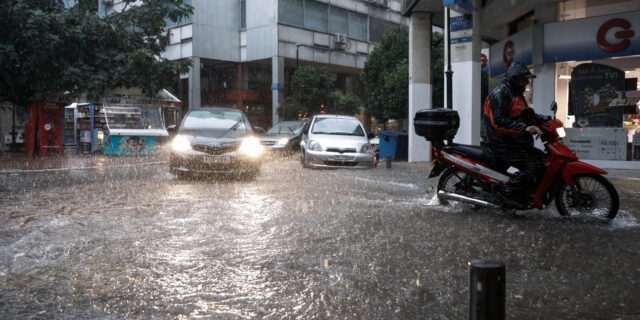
<point x="394" y="143"/>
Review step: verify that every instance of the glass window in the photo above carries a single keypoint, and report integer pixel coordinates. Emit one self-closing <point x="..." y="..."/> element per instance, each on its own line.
<point x="337" y="126"/>
<point x="315" y="15"/>
<point x="133" y="116"/>
<point x="243" y="14"/>
<point x="339" y="21"/>
<point x="357" y="26"/>
<point x="214" y="119"/>
<point x="288" y="127"/>
<point x="378" y="28"/>
<point x="218" y="79"/>
<point x="183" y="21"/>
<point x="290" y="11"/>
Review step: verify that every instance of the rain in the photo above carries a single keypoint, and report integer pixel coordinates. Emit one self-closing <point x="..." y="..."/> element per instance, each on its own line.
<point x="123" y="238"/>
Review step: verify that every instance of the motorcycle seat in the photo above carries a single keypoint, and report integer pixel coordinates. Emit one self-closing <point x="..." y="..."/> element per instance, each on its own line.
<point x="477" y="153"/>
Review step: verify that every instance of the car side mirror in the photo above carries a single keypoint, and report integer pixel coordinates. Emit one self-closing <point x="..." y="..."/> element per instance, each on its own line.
<point x="554" y="108"/>
<point x="371" y="135"/>
<point x="305" y="129"/>
<point x="259" y="130"/>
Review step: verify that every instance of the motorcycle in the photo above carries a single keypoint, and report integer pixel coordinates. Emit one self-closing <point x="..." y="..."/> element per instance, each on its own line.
<point x="473" y="175"/>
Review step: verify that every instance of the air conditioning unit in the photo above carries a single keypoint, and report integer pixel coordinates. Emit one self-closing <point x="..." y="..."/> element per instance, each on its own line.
<point x="341" y="38"/>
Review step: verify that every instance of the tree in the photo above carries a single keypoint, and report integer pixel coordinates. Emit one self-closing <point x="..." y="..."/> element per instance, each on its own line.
<point x="48" y="49"/>
<point x="312" y="88"/>
<point x="386" y="75"/>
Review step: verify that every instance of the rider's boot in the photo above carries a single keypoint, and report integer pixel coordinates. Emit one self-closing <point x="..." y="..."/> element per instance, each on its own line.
<point x="511" y="199"/>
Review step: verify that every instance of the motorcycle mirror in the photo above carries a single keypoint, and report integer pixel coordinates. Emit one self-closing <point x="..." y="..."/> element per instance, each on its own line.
<point x="554" y="108"/>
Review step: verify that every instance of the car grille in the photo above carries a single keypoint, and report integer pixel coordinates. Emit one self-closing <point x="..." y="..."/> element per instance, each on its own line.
<point x="340" y="164"/>
<point x="211" y="149"/>
<point x="338" y="150"/>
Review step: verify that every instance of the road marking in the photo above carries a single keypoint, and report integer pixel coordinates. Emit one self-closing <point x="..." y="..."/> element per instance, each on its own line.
<point x="82" y="168"/>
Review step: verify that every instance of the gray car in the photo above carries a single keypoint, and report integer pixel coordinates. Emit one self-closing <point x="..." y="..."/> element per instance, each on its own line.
<point x="333" y="141"/>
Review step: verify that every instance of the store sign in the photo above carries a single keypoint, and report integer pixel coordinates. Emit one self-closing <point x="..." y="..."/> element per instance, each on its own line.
<point x="592" y="38"/>
<point x="594" y="93"/>
<point x="515" y="47"/>
<point x="458" y="23"/>
<point x="484" y="60"/>
<point x="597" y="143"/>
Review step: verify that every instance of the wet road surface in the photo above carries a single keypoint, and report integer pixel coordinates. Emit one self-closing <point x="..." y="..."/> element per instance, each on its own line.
<point x="135" y="242"/>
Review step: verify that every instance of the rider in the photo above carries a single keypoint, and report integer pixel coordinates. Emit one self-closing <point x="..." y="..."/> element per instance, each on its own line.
<point x="510" y="133"/>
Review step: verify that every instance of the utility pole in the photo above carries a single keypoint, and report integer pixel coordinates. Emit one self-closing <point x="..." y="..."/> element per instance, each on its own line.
<point x="449" y="73"/>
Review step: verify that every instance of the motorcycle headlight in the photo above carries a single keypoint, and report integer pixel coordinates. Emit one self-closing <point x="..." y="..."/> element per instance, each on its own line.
<point x="282" y="142"/>
<point x="315" y="146"/>
<point x="366" y="148"/>
<point x="181" y="144"/>
<point x="561" y="132"/>
<point x="251" y="147"/>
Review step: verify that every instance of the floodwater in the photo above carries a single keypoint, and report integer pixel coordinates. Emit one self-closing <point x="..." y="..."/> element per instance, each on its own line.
<point x="135" y="242"/>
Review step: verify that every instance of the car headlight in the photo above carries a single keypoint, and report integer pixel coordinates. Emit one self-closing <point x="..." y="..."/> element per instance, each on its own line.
<point x="282" y="142"/>
<point x="251" y="147"/>
<point x="366" y="148"/>
<point x="561" y="132"/>
<point x="315" y="146"/>
<point x="181" y="144"/>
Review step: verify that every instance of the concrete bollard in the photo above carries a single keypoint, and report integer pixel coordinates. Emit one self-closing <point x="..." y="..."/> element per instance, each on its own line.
<point x="388" y="161"/>
<point x="486" y="290"/>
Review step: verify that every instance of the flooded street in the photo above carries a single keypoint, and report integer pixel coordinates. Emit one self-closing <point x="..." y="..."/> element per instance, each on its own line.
<point x="132" y="241"/>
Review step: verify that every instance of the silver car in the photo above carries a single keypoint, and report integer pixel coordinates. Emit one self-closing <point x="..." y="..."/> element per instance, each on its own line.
<point x="332" y="141"/>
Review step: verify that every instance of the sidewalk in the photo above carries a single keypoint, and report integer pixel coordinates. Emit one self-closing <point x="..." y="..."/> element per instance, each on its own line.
<point x="20" y="162"/>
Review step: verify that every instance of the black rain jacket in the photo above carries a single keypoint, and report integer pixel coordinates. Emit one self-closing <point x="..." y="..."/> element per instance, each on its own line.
<point x="503" y="120"/>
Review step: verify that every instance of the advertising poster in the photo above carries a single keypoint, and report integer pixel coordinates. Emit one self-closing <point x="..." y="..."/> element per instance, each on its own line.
<point x="594" y="92"/>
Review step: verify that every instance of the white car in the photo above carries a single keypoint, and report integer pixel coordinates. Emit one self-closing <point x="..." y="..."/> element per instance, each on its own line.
<point x="334" y="141"/>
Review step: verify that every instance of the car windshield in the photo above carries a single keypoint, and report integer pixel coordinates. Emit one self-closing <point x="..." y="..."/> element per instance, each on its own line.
<point x="337" y="126"/>
<point x="215" y="119"/>
<point x="289" y="128"/>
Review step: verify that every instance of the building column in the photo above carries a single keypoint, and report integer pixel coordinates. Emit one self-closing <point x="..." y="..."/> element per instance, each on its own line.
<point x="466" y="46"/>
<point x="194" y="84"/>
<point x="544" y="85"/>
<point x="277" y="86"/>
<point x="419" y="80"/>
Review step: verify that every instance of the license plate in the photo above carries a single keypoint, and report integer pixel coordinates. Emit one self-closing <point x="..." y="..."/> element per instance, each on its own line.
<point x="343" y="157"/>
<point x="216" y="159"/>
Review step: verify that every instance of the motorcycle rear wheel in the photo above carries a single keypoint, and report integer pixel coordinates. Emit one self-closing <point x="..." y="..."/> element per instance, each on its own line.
<point x="599" y="198"/>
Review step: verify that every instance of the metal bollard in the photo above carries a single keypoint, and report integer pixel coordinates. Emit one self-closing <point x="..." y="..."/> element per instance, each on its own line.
<point x="486" y="290"/>
<point x="388" y="161"/>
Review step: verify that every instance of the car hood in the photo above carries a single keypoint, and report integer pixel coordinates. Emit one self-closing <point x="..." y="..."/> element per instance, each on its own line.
<point x="275" y="137"/>
<point x="214" y="137"/>
<point x="339" y="142"/>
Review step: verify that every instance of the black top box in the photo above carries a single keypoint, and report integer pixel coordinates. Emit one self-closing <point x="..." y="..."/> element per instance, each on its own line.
<point x="437" y="124"/>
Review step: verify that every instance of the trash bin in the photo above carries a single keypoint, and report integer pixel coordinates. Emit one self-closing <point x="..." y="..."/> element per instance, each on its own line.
<point x="394" y="143"/>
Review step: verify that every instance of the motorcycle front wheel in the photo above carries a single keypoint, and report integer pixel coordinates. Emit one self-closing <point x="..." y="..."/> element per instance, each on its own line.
<point x="592" y="196"/>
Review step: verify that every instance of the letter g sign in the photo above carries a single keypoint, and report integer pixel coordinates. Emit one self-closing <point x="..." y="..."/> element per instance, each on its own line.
<point x="602" y="35"/>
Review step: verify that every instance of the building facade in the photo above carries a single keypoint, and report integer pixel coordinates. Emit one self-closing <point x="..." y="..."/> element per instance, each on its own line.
<point x="245" y="52"/>
<point x="585" y="54"/>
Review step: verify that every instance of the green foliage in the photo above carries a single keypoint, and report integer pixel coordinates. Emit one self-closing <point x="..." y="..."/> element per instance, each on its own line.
<point x="343" y="103"/>
<point x="311" y="88"/>
<point x="386" y="83"/>
<point x="47" y="49"/>
<point x="386" y="76"/>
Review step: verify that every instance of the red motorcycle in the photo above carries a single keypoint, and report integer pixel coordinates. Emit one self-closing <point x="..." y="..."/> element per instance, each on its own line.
<point x="473" y="175"/>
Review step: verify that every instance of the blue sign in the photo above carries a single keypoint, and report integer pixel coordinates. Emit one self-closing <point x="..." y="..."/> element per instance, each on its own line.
<point x="461" y="40"/>
<point x="129" y="145"/>
<point x="277" y="86"/>
<point x="461" y="23"/>
<point x="462" y="6"/>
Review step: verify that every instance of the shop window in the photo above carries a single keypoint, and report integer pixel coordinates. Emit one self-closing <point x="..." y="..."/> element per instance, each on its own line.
<point x="339" y="21"/>
<point x="291" y="12"/>
<point x="315" y="15"/>
<point x="378" y="28"/>
<point x="357" y="26"/>
<point x="218" y="83"/>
